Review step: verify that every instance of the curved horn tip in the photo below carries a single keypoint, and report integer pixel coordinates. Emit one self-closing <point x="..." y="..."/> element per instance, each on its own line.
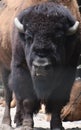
<point x="18" y="25"/>
<point x="73" y="29"/>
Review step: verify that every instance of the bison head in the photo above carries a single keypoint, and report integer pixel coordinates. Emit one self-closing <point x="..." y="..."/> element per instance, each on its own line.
<point x="47" y="31"/>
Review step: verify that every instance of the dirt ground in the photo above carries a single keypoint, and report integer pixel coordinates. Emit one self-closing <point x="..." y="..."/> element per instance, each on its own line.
<point x="39" y="122"/>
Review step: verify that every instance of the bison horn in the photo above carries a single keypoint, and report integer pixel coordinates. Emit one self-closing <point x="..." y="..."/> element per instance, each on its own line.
<point x="19" y="25"/>
<point x="73" y="29"/>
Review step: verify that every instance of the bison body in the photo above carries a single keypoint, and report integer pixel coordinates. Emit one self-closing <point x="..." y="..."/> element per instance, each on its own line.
<point x="43" y="50"/>
<point x="45" y="53"/>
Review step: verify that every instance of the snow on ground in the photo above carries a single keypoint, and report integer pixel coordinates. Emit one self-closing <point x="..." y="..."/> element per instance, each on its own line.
<point x="39" y="121"/>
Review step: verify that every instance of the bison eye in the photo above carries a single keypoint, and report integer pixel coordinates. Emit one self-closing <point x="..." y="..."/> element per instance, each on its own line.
<point x="28" y="37"/>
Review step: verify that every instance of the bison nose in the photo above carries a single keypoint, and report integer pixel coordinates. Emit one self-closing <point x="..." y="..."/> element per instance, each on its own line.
<point x="41" y="66"/>
<point x="41" y="62"/>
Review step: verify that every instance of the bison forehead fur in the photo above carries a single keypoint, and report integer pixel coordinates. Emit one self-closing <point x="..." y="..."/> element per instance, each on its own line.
<point x="36" y="17"/>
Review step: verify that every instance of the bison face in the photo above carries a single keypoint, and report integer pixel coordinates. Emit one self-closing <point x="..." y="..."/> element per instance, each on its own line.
<point x="45" y="29"/>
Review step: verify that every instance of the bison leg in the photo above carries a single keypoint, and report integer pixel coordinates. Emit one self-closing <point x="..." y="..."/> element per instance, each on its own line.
<point x="56" y="123"/>
<point x="54" y="107"/>
<point x="19" y="113"/>
<point x="28" y="106"/>
<point x="24" y="112"/>
<point x="8" y="96"/>
<point x="26" y="98"/>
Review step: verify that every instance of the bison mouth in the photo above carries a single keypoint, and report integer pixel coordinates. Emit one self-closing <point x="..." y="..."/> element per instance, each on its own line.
<point x="40" y="71"/>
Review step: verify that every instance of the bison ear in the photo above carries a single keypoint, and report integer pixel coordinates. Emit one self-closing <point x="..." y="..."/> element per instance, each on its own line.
<point x="72" y="30"/>
<point x="19" y="25"/>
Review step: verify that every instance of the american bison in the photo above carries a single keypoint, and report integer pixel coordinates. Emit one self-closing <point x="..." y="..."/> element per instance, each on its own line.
<point x="45" y="50"/>
<point x="45" y="53"/>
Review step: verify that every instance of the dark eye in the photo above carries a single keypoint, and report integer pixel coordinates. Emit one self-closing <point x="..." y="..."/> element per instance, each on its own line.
<point x="28" y="37"/>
